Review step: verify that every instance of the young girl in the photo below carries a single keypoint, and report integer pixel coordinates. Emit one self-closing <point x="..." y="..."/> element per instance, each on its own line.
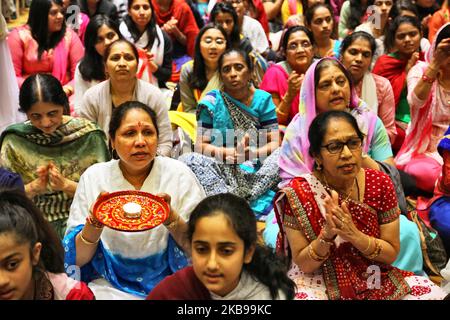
<point x="31" y="255"/>
<point x="227" y="261"/>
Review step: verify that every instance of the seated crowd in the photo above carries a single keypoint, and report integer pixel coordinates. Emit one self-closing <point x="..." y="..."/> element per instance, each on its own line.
<point x="302" y="149"/>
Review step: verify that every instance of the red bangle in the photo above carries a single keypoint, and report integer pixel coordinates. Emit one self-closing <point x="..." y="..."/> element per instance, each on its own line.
<point x="426" y="78"/>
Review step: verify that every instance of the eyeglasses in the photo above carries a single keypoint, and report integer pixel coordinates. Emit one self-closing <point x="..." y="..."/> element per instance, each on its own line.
<point x="337" y="147"/>
<point x="293" y="46"/>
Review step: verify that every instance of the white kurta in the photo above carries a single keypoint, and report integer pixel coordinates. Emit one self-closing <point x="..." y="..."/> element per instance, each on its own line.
<point x="167" y="176"/>
<point x="97" y="106"/>
<point x="253" y="30"/>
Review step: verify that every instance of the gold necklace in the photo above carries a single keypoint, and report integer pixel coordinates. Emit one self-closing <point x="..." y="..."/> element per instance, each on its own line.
<point x="347" y="196"/>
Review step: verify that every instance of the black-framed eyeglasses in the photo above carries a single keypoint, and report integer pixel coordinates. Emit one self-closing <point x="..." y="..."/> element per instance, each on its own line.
<point x="337" y="147"/>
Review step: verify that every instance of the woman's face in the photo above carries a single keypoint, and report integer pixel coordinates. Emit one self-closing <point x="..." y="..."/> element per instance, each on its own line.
<point x="105" y="36"/>
<point x="212" y="45"/>
<point x="46" y="116"/>
<point x="141" y="13"/>
<point x="218" y="254"/>
<point x="239" y="7"/>
<point x="136" y="140"/>
<point x="16" y="267"/>
<point x="55" y="18"/>
<point x="346" y="164"/>
<point x="357" y="58"/>
<point x="225" y="20"/>
<point x="384" y="7"/>
<point x="299" y="51"/>
<point x="333" y="90"/>
<point x="234" y="72"/>
<point x="322" y="23"/>
<point x="407" y="39"/>
<point x="121" y="63"/>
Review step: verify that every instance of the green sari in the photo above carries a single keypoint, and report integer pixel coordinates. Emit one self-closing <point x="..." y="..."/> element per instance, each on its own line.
<point x="73" y="147"/>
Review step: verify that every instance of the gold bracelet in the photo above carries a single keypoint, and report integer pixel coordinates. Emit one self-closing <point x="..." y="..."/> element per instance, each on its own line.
<point x="89" y="243"/>
<point x="315" y="256"/>
<point x="375" y="252"/>
<point x="368" y="246"/>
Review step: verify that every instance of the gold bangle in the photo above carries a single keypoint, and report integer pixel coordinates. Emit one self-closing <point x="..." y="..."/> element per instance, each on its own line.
<point x="376" y="252"/>
<point x="368" y="246"/>
<point x="315" y="256"/>
<point x="89" y="243"/>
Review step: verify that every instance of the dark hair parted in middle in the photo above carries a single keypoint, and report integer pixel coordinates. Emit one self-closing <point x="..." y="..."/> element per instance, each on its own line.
<point x="266" y="266"/>
<point x="109" y="48"/>
<point x="223" y="7"/>
<point x="42" y="87"/>
<point x="246" y="57"/>
<point x="287" y="33"/>
<point x="389" y="40"/>
<point x="348" y="40"/>
<point x="150" y="28"/>
<point x="309" y="15"/>
<point x="38" y="22"/>
<point x="121" y="111"/>
<point x="92" y="66"/>
<point x="198" y="78"/>
<point x="319" y="126"/>
<point x="326" y="63"/>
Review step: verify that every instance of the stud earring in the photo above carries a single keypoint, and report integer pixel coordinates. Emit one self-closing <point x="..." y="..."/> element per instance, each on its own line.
<point x="318" y="167"/>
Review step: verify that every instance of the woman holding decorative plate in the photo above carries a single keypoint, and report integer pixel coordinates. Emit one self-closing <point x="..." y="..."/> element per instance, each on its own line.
<point x="130" y="194"/>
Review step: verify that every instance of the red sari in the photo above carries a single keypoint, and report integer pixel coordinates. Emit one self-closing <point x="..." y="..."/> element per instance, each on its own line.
<point x="346" y="272"/>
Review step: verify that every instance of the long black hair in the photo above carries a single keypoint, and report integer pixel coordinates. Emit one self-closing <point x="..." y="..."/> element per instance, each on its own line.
<point x="20" y="217"/>
<point x="92" y="66"/>
<point x="266" y="266"/>
<point x="198" y="78"/>
<point x="42" y="87"/>
<point x="224" y="7"/>
<point x="38" y="22"/>
<point x="389" y="37"/>
<point x="357" y="12"/>
<point x="150" y="28"/>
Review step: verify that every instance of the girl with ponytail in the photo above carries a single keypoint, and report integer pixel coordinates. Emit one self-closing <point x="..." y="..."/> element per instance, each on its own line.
<point x="227" y="261"/>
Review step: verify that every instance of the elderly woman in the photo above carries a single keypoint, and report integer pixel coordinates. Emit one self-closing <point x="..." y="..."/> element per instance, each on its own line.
<point x="237" y="136"/>
<point x="327" y="86"/>
<point x="357" y="51"/>
<point x="284" y="79"/>
<point x="45" y="45"/>
<point x="429" y="101"/>
<point x="50" y="151"/>
<point x="342" y="241"/>
<point x="121" y="61"/>
<point x="121" y="265"/>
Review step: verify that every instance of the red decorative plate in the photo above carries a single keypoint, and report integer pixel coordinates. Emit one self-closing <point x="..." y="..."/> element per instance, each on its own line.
<point x="108" y="209"/>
